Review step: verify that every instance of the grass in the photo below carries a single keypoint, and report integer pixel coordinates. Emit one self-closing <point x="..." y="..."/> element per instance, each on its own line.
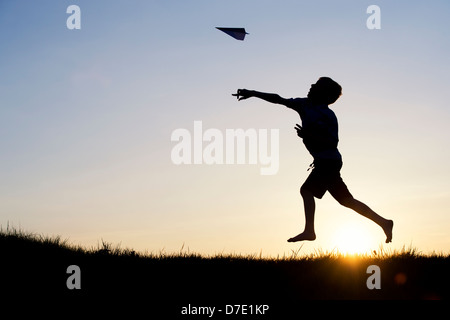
<point x="14" y="236"/>
<point x="36" y="266"/>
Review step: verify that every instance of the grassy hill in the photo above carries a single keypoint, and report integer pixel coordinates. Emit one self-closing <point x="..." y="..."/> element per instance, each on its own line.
<point x="35" y="267"/>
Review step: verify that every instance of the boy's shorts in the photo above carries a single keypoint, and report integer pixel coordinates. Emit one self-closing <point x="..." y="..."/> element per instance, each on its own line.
<point x="326" y="176"/>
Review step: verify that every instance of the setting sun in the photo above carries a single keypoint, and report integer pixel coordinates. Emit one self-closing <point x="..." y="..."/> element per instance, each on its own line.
<point x="351" y="239"/>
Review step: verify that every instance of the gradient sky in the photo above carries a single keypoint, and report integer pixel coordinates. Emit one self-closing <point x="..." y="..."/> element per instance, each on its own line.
<point x="86" y="118"/>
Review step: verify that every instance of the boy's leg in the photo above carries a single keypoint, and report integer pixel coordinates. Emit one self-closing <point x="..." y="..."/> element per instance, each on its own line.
<point x="310" y="208"/>
<point x="365" y="211"/>
<point x="340" y="192"/>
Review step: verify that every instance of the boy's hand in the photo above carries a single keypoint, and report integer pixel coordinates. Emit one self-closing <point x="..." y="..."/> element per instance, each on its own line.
<point x="299" y="130"/>
<point x="242" y="94"/>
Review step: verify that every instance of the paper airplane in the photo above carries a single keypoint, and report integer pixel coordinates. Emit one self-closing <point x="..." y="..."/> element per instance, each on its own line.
<point x="237" y="33"/>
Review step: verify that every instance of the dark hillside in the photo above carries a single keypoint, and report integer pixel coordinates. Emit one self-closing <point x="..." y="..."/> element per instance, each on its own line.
<point x="35" y="267"/>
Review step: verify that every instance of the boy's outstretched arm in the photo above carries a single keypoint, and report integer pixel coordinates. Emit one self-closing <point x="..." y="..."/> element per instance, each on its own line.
<point x="269" y="97"/>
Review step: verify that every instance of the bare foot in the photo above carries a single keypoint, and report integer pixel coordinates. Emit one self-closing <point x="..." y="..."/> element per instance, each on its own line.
<point x="387" y="228"/>
<point x="304" y="236"/>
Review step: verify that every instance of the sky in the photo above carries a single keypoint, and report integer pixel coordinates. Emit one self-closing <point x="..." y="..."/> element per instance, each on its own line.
<point x="87" y="117"/>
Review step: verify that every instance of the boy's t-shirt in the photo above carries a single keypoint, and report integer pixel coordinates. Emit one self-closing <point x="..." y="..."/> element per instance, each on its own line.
<point x="320" y="129"/>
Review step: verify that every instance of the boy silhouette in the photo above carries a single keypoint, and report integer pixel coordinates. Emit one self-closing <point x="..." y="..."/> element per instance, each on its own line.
<point x="319" y="132"/>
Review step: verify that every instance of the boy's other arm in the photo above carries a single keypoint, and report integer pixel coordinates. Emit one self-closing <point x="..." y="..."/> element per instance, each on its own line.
<point x="269" y="97"/>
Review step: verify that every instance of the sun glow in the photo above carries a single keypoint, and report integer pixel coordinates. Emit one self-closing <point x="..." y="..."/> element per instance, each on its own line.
<point x="351" y="239"/>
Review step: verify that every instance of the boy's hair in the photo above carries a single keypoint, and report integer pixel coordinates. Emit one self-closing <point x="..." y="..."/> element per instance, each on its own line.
<point x="330" y="89"/>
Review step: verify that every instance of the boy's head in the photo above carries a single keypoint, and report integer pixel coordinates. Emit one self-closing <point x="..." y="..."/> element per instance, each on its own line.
<point x="325" y="91"/>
